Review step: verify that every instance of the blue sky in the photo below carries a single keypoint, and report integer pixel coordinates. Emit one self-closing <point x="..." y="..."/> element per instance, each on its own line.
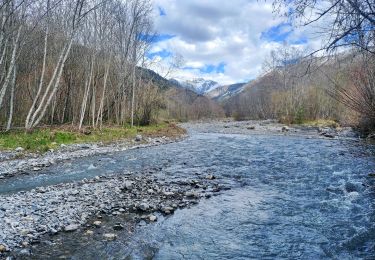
<point x="226" y="42"/>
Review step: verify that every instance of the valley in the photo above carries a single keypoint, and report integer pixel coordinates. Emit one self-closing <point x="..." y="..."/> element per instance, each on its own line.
<point x="165" y="129"/>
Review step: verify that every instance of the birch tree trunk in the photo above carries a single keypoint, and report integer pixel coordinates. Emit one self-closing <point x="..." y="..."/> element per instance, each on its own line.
<point x="11" y="67"/>
<point x="11" y="104"/>
<point x="86" y="94"/>
<point x="133" y="96"/>
<point x="101" y="105"/>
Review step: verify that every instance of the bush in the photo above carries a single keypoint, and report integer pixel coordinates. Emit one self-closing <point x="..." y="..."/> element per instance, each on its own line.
<point x="300" y="116"/>
<point x="238" y="116"/>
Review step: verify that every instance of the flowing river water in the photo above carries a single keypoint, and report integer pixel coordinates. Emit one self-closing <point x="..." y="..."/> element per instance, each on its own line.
<point x="291" y="197"/>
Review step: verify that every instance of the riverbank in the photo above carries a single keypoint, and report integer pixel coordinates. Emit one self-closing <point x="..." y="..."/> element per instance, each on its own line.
<point x="19" y="161"/>
<point x="273" y="127"/>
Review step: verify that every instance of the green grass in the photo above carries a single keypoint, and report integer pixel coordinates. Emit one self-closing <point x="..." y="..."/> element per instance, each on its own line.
<point x="42" y="140"/>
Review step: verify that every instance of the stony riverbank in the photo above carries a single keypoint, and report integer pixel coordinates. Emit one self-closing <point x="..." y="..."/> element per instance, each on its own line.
<point x="29" y="218"/>
<point x="253" y="127"/>
<point x="28" y="163"/>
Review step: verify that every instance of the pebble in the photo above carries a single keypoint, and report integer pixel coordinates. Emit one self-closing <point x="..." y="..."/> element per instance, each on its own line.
<point x="25" y="252"/>
<point x="168" y="210"/>
<point x="153" y="218"/>
<point x="3" y="248"/>
<point x="118" y="226"/>
<point x="191" y="194"/>
<point x="97" y="223"/>
<point x="144" y="207"/>
<point x="19" y="149"/>
<point x="284" y="129"/>
<point x="128" y="185"/>
<point x="71" y="227"/>
<point x="110" y="236"/>
<point x="89" y="232"/>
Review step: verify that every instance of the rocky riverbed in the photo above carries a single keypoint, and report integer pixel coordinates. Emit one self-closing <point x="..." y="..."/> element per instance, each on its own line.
<point x="29" y="218"/>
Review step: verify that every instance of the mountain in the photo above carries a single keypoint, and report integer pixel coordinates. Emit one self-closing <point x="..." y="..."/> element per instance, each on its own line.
<point x="224" y="92"/>
<point x="199" y="85"/>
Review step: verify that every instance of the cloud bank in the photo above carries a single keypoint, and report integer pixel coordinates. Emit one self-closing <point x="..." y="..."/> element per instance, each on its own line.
<point x="226" y="41"/>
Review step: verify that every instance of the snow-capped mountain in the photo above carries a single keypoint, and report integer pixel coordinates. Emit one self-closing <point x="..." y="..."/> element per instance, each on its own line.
<point x="200" y="86"/>
<point x="226" y="91"/>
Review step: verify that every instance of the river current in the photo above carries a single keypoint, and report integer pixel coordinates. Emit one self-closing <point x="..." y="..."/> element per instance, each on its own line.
<point x="291" y="197"/>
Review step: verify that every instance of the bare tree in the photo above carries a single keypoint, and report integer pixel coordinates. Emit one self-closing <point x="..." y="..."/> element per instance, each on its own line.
<point x="348" y="23"/>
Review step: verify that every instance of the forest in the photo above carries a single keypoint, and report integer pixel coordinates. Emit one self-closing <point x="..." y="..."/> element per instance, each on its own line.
<point x="75" y="62"/>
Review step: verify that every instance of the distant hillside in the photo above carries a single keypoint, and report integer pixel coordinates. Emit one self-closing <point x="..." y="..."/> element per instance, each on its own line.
<point x="158" y="80"/>
<point x="182" y="103"/>
<point x="293" y="93"/>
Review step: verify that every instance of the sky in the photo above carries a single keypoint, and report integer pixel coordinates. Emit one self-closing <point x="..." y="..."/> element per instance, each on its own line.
<point x="225" y="41"/>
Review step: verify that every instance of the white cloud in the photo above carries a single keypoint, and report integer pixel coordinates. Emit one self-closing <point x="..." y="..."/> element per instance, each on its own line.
<point x="212" y="32"/>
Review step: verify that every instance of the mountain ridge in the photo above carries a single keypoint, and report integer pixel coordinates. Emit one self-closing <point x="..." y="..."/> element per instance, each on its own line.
<point x="200" y="86"/>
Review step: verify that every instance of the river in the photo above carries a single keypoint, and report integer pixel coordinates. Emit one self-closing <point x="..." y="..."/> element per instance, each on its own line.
<point x="291" y="197"/>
